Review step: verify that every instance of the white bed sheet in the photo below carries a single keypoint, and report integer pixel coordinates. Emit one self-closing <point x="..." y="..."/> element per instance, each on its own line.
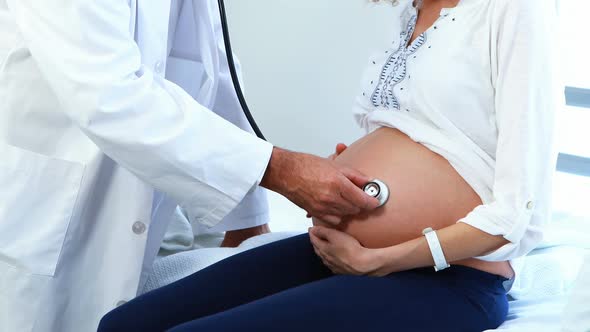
<point x="541" y="315"/>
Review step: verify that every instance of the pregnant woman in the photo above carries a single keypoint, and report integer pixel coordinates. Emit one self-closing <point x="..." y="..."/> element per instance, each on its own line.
<point x="459" y="116"/>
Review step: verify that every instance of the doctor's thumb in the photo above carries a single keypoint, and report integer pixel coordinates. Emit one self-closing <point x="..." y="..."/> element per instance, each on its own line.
<point x="354" y="193"/>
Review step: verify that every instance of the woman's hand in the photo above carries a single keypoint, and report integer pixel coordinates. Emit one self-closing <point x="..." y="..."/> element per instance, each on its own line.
<point x="343" y="254"/>
<point x="340" y="147"/>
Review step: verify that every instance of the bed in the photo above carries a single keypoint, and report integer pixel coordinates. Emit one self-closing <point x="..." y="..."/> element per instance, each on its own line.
<point x="539" y="295"/>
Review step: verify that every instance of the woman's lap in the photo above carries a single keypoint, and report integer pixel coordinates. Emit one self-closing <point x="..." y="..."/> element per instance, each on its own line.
<point x="349" y="303"/>
<point x="236" y="280"/>
<point x="283" y="286"/>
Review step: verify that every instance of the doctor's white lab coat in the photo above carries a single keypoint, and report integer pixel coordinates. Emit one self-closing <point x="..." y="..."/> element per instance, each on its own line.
<point x="105" y="125"/>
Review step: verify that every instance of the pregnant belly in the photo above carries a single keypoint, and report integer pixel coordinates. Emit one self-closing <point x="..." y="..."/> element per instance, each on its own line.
<point x="425" y="191"/>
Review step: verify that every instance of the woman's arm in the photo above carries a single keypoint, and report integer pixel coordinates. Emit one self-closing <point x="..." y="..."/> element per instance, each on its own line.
<point x="528" y="94"/>
<point x="345" y="255"/>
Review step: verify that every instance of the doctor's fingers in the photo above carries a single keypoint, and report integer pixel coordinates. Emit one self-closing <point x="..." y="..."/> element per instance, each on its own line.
<point x="331" y="205"/>
<point x="356" y="177"/>
<point x="329" y="219"/>
<point x="357" y="197"/>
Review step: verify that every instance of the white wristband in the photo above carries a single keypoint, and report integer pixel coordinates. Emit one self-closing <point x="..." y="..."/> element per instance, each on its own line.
<point x="440" y="262"/>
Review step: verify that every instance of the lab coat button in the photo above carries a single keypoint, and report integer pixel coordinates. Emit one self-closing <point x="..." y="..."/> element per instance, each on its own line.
<point x="530" y="205"/>
<point x="139" y="227"/>
<point x="159" y="68"/>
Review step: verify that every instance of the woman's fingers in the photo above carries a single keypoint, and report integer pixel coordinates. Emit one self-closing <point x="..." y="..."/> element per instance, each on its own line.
<point x="316" y="241"/>
<point x="337" y="250"/>
<point x="321" y="233"/>
<point x="320" y="237"/>
<point x="317" y="252"/>
<point x="340" y="147"/>
<point x="325" y="260"/>
<point x="320" y="245"/>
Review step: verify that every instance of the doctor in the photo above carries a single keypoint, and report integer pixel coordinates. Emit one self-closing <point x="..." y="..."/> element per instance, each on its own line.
<point x="105" y="126"/>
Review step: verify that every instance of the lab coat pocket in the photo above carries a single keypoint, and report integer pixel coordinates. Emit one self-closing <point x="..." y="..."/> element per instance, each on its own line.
<point x="20" y="298"/>
<point x="37" y="199"/>
<point x="186" y="73"/>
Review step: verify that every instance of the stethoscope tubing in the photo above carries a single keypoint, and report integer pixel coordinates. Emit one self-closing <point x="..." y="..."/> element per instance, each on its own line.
<point x="233" y="72"/>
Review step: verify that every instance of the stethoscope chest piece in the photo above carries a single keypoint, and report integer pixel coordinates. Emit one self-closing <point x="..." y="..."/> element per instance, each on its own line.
<point x="378" y="189"/>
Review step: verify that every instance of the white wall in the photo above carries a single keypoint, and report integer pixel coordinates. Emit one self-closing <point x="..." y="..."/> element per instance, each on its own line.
<point x="302" y="61"/>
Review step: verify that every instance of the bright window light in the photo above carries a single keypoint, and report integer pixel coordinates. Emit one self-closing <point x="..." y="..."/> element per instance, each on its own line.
<point x="574" y="41"/>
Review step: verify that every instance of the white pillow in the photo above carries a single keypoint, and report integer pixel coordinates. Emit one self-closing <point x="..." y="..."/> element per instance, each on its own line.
<point x="171" y="268"/>
<point x="576" y="317"/>
<point x="567" y="229"/>
<point x="548" y="272"/>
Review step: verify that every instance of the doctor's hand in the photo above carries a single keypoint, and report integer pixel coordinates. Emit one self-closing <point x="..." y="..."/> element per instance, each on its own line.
<point x="320" y="186"/>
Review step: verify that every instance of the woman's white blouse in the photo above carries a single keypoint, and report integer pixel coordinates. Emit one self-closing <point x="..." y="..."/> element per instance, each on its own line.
<point x="479" y="88"/>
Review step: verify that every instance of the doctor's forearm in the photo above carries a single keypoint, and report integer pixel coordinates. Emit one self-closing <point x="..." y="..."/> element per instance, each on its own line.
<point x="459" y="241"/>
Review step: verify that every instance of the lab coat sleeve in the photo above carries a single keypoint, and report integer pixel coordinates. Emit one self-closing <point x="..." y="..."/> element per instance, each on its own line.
<point x="527" y="97"/>
<point x="253" y="210"/>
<point x="150" y="126"/>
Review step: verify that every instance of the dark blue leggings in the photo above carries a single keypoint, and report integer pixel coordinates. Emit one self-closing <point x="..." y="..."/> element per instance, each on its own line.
<point x="284" y="287"/>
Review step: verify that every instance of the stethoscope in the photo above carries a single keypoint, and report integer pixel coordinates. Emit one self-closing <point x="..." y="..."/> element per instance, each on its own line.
<point x="375" y="188"/>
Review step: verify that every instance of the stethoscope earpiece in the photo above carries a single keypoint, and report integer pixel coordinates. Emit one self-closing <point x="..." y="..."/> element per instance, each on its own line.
<point x="378" y="189"/>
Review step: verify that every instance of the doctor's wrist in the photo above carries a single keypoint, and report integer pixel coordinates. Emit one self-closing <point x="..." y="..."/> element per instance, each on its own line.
<point x="272" y="178"/>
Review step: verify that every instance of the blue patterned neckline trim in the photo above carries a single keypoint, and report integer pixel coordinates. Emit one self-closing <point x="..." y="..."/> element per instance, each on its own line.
<point x="395" y="69"/>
